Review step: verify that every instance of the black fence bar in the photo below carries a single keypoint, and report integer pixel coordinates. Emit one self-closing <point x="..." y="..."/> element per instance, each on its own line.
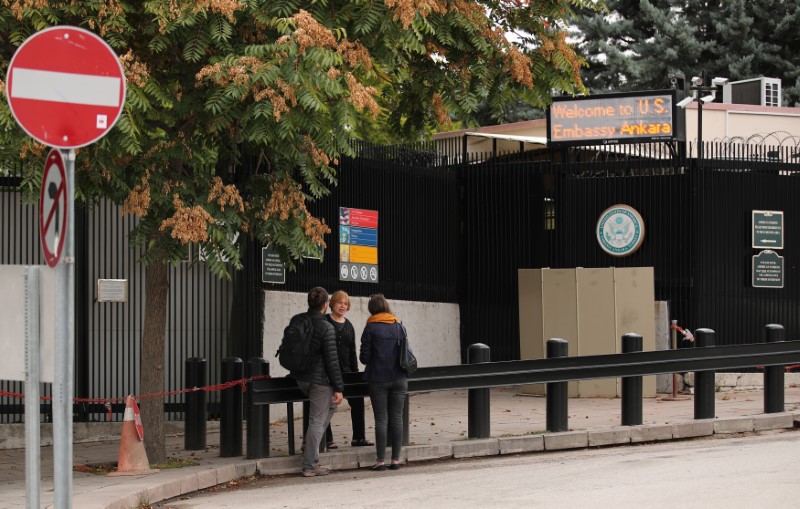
<point x="632" y="385"/>
<point x="230" y="423"/>
<point x="704" y="380"/>
<point x="257" y="417"/>
<point x="478" y="400"/>
<point x="773" y="375"/>
<point x="195" y="416"/>
<point x="558" y="391"/>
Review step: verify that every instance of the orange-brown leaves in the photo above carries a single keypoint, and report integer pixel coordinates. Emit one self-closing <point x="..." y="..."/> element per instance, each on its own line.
<point x="287" y="200"/>
<point x="363" y="98"/>
<point x="136" y="72"/>
<point x="519" y="66"/>
<point x="188" y="224"/>
<point x="138" y="200"/>
<point x="406" y="10"/>
<point x="18" y="7"/>
<point x="311" y="33"/>
<point x="225" y="195"/>
<point x="439" y="109"/>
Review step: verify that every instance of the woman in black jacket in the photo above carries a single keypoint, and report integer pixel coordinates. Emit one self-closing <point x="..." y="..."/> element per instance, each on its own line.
<point x="387" y="382"/>
<point x="348" y="363"/>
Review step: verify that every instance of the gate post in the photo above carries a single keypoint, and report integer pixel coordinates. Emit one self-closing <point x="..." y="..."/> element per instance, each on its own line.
<point x="557" y="392"/>
<point x="194" y="416"/>
<point x="230" y="422"/>
<point x="631" y="385"/>
<point x="257" y="416"/>
<point x="704" y="380"/>
<point x="478" y="399"/>
<point x="773" y="375"/>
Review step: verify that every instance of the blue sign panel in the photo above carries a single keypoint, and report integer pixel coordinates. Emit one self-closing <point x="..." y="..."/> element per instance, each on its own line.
<point x="363" y="236"/>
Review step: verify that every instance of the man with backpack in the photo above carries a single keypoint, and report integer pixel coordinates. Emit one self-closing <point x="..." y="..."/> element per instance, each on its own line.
<point x="319" y="377"/>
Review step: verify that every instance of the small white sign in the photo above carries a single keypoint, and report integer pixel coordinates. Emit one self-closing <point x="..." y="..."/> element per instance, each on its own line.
<point x="112" y="290"/>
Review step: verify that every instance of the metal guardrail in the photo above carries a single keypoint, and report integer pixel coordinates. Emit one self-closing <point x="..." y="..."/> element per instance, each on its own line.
<point x="557" y="371"/>
<point x="499" y="374"/>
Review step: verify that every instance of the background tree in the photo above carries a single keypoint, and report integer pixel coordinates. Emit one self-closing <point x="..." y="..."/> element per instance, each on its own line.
<point x="638" y="44"/>
<point x="283" y="84"/>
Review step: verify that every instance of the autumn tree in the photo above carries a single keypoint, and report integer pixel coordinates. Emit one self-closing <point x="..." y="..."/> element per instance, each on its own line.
<point x="286" y="84"/>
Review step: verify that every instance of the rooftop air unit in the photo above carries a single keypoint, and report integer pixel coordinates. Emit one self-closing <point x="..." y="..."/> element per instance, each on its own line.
<point x="758" y="91"/>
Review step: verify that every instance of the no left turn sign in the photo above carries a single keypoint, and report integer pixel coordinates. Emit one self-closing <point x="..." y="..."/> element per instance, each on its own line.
<point x="53" y="208"/>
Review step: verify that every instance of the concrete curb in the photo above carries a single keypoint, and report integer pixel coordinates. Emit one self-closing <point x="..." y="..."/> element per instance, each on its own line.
<point x="170" y="484"/>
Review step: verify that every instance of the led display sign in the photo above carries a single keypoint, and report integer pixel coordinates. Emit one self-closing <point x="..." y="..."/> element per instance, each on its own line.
<point x="612" y="118"/>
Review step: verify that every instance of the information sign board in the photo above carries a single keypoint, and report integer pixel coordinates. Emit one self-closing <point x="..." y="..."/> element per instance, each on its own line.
<point x="272" y="268"/>
<point x="767" y="270"/>
<point x="767" y="229"/>
<point x="358" y="245"/>
<point x="612" y="118"/>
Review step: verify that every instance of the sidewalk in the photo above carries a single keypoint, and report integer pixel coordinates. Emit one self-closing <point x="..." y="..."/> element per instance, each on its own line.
<point x="438" y="429"/>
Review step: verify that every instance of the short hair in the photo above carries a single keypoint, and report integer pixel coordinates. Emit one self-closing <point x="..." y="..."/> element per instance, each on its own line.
<point x="378" y="304"/>
<point x="340" y="296"/>
<point x="317" y="298"/>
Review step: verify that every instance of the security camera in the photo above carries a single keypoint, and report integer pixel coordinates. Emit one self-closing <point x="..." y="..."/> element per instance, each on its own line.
<point x="719" y="82"/>
<point x="697" y="81"/>
<point x="686" y="101"/>
<point x="708" y="98"/>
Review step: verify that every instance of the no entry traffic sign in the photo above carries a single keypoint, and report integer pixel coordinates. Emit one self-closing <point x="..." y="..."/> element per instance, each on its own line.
<point x="53" y="208"/>
<point x="65" y="87"/>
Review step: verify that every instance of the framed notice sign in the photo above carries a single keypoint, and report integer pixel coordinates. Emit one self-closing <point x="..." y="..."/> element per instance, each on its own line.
<point x="767" y="229"/>
<point x="767" y="270"/>
<point x="612" y="118"/>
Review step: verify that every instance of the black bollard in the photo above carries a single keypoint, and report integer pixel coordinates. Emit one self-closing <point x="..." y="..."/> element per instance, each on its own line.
<point x="194" y="417"/>
<point x="257" y="416"/>
<point x="631" y="385"/>
<point x="478" y="399"/>
<point x="704" y="380"/>
<point x="773" y="375"/>
<point x="557" y="392"/>
<point x="230" y="422"/>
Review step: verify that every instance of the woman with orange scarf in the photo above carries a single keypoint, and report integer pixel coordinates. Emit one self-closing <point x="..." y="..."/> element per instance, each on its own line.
<point x="387" y="382"/>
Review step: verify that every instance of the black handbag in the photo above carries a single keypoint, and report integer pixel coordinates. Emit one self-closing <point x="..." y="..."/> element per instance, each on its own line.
<point x="408" y="361"/>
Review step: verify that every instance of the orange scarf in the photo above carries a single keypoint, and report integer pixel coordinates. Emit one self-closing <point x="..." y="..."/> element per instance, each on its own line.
<point x="382" y="318"/>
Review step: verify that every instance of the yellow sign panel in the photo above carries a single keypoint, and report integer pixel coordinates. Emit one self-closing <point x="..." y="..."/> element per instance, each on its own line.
<point x="363" y="254"/>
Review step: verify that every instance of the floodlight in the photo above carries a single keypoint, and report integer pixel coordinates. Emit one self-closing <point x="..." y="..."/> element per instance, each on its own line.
<point x="718" y="82"/>
<point x="697" y="81"/>
<point x="686" y="101"/>
<point x="708" y="98"/>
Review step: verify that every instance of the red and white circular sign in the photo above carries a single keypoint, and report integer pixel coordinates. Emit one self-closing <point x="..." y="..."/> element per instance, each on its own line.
<point x="65" y="87"/>
<point x="53" y="208"/>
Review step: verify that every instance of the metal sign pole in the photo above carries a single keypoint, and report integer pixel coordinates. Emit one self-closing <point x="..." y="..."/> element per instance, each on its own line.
<point x="65" y="352"/>
<point x="32" y="434"/>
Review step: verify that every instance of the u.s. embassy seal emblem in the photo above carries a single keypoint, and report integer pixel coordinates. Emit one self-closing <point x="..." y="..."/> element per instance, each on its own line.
<point x="620" y="230"/>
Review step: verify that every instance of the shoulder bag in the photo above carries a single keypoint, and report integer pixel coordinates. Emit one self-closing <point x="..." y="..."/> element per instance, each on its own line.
<point x="408" y="361"/>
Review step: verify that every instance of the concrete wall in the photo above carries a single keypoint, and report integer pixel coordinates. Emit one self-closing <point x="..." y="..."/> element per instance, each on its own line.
<point x="433" y="329"/>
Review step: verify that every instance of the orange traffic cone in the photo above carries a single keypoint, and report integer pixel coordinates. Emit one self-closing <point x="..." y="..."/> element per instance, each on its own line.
<point x="132" y="456"/>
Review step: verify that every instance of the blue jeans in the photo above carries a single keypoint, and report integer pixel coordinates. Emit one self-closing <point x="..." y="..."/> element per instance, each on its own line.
<point x="388" y="400"/>
<point x="321" y="410"/>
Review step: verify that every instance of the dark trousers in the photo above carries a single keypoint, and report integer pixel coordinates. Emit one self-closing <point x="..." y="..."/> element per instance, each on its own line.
<point x="388" y="400"/>
<point x="356" y="417"/>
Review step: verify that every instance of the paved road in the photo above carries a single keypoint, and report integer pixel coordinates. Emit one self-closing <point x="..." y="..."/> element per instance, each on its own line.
<point x="755" y="471"/>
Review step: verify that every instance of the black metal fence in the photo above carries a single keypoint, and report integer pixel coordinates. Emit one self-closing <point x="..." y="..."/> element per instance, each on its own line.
<point x="457" y="229"/>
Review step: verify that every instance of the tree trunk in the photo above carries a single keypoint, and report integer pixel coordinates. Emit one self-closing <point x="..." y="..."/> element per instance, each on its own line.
<point x="152" y="367"/>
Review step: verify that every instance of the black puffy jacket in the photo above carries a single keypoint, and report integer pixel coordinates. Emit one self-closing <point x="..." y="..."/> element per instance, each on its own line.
<point x="324" y="368"/>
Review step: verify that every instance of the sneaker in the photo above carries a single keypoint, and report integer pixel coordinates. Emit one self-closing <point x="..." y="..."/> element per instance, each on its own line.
<point x="318" y="470"/>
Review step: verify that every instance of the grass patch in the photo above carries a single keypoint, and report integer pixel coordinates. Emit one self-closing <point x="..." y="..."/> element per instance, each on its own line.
<point x="175" y="463"/>
<point x="105" y="468"/>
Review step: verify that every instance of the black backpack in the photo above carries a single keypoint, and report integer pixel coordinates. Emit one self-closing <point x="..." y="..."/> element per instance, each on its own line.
<point x="295" y="352"/>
